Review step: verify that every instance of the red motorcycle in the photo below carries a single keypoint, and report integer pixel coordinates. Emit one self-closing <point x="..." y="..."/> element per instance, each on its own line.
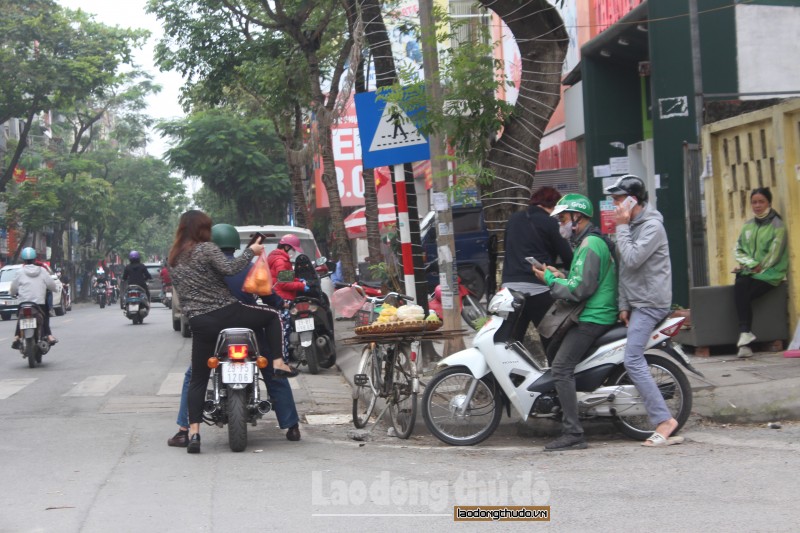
<point x="471" y="309"/>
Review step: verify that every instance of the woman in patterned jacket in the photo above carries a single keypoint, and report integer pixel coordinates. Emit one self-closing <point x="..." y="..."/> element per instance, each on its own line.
<point x="198" y="269"/>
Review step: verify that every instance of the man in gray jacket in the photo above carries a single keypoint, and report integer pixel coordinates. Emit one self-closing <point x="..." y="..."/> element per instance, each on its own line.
<point x="32" y="284"/>
<point x="645" y="293"/>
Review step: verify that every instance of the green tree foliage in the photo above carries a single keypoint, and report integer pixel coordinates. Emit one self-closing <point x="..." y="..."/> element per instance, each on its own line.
<point x="49" y="58"/>
<point x="237" y="158"/>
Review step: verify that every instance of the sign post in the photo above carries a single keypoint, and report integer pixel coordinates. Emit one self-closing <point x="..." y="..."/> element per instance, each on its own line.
<point x="392" y="139"/>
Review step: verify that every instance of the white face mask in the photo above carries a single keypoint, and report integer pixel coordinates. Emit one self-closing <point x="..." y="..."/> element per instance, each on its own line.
<point x="292" y="253"/>
<point x="565" y="229"/>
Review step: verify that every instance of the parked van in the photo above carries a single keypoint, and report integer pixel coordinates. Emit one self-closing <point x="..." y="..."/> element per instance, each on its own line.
<point x="473" y="247"/>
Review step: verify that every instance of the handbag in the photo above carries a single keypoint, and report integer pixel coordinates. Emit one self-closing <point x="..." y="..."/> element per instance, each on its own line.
<point x="259" y="279"/>
<point x="560" y="317"/>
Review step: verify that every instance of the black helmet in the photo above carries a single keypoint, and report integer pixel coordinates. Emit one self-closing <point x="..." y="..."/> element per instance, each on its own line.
<point x="630" y="185"/>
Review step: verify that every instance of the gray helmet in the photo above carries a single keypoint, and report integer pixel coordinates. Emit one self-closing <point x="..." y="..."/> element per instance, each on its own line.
<point x="225" y="236"/>
<point x="630" y="185"/>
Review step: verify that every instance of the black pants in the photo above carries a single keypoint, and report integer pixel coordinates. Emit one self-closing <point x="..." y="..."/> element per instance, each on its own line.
<point x="535" y="308"/>
<point x="745" y="290"/>
<point x="205" y="329"/>
<point x="572" y="349"/>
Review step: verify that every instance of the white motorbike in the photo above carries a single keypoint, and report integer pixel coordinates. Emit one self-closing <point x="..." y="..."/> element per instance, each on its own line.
<point x="463" y="403"/>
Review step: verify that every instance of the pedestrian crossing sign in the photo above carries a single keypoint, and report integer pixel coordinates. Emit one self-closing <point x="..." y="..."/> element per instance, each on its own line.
<point x="389" y="133"/>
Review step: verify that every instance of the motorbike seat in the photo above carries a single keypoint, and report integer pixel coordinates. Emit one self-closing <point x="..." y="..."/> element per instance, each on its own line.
<point x="614" y="334"/>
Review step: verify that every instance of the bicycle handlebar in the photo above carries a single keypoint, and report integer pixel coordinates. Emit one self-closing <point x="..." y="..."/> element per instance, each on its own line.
<point x="381" y="299"/>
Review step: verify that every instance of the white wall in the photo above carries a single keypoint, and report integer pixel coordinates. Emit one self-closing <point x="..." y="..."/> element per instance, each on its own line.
<point x="768" y="45"/>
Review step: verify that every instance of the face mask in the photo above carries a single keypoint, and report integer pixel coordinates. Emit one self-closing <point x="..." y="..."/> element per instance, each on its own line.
<point x="292" y="254"/>
<point x="565" y="229"/>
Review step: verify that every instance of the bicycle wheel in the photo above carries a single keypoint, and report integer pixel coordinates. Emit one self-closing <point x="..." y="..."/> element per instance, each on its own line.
<point x="402" y="400"/>
<point x="366" y="394"/>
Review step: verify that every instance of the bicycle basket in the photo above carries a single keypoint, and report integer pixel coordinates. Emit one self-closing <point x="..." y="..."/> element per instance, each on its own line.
<point x="366" y="315"/>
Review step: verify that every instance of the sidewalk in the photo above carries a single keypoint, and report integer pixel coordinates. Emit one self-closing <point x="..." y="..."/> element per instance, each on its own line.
<point x="763" y="388"/>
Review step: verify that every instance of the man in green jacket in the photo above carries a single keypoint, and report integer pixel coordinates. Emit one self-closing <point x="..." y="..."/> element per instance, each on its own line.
<point x="592" y="279"/>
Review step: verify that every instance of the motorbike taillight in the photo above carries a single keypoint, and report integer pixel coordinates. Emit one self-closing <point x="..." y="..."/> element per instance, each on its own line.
<point x="673" y="329"/>
<point x="27" y="312"/>
<point x="237" y="352"/>
<point x="302" y="306"/>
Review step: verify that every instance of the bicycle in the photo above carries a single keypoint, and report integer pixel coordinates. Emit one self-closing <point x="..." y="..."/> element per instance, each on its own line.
<point x="388" y="370"/>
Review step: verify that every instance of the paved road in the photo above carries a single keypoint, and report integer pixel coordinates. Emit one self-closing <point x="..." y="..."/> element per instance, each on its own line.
<point x="82" y="448"/>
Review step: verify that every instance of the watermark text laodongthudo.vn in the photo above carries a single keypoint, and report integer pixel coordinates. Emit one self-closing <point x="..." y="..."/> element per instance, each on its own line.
<point x="390" y="493"/>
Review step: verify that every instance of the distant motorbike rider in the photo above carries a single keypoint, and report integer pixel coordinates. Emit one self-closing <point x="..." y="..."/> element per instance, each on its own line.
<point x="136" y="273"/>
<point x="32" y="284"/>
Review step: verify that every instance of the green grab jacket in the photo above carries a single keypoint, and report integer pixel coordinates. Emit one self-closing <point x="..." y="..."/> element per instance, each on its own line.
<point x="592" y="277"/>
<point x="764" y="242"/>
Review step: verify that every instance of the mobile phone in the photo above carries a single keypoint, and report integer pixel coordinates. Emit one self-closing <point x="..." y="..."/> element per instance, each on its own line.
<point x="254" y="238"/>
<point x="535" y="262"/>
<point x="629" y="203"/>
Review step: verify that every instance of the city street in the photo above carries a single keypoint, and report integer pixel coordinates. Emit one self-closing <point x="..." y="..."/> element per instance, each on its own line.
<point x="83" y="448"/>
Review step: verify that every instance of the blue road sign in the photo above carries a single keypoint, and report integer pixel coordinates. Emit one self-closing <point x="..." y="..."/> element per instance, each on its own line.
<point x="389" y="136"/>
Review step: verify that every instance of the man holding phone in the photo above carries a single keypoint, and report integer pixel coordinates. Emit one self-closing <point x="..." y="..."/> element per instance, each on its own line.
<point x="592" y="279"/>
<point x="645" y="293"/>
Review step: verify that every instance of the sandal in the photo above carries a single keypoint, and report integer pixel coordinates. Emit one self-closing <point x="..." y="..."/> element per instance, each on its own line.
<point x="657" y="439"/>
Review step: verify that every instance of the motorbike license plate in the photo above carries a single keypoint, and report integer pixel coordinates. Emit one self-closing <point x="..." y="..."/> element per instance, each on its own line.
<point x="27" y="323"/>
<point x="133" y="308"/>
<point x="169" y="295"/>
<point x="237" y="373"/>
<point x="304" y="324"/>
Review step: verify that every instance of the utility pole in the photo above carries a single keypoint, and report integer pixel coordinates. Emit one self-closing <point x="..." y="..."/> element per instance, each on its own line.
<point x="697" y="68"/>
<point x="445" y="241"/>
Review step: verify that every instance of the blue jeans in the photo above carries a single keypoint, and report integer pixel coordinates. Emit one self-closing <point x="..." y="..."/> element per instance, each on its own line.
<point x="278" y="389"/>
<point x="641" y="324"/>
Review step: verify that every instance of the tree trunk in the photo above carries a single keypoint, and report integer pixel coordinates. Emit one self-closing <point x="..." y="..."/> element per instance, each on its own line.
<point x="23" y="142"/>
<point x="340" y="242"/>
<point x="542" y="39"/>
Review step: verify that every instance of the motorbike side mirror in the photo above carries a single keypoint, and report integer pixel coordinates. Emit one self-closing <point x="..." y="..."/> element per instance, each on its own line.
<point x="320" y="261"/>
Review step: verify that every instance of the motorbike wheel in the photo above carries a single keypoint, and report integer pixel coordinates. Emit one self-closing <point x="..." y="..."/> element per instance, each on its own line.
<point x="30" y="352"/>
<point x="446" y="392"/>
<point x="330" y="361"/>
<point x="309" y="355"/>
<point x="366" y="395"/>
<point x="471" y="310"/>
<point x="103" y="301"/>
<point x="402" y="400"/>
<point x="237" y="419"/>
<point x="674" y="386"/>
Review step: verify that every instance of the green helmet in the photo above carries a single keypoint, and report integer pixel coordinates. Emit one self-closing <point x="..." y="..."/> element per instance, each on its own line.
<point x="576" y="203"/>
<point x="225" y="236"/>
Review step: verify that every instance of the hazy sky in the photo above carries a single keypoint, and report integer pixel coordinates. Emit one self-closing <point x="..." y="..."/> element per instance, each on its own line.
<point x="131" y="14"/>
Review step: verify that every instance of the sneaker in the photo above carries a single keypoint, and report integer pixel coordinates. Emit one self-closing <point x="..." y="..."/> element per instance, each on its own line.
<point x="745" y="338"/>
<point x="180" y="439"/>
<point x="744" y="352"/>
<point x="294" y="433"/>
<point x="565" y="442"/>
